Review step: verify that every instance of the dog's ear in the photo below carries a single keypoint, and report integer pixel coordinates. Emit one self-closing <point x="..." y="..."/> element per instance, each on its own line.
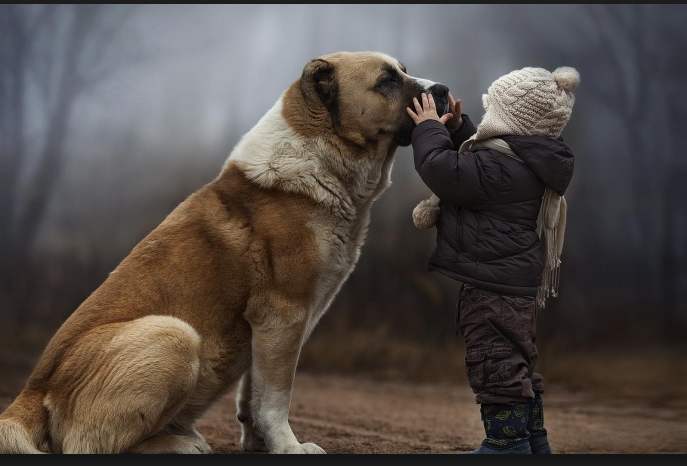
<point x="318" y="82"/>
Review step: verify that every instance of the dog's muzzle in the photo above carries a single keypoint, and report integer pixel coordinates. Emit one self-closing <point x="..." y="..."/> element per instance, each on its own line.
<point x="440" y="94"/>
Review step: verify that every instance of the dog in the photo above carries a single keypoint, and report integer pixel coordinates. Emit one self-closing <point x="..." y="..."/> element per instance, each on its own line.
<point x="226" y="290"/>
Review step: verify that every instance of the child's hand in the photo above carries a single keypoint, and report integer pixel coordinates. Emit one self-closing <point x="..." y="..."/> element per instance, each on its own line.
<point x="427" y="111"/>
<point x="456" y="108"/>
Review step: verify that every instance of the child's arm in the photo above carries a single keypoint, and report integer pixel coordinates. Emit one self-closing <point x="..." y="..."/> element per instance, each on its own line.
<point x="453" y="177"/>
<point x="463" y="132"/>
<point x="459" y="126"/>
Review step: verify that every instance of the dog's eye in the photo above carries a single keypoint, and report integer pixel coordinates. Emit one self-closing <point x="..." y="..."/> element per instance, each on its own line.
<point x="388" y="83"/>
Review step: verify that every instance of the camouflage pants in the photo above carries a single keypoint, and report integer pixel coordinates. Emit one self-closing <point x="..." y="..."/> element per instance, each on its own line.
<point x="500" y="350"/>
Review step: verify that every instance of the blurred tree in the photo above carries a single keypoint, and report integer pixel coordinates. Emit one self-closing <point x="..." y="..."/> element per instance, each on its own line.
<point x="641" y="71"/>
<point x="49" y="56"/>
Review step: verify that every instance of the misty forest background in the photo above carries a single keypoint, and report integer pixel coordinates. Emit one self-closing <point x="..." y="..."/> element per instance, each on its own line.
<point x="110" y="115"/>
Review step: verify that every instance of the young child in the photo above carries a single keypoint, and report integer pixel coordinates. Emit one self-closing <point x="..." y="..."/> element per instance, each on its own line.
<point x="499" y="210"/>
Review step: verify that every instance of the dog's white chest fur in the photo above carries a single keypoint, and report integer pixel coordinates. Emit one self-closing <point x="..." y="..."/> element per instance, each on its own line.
<point x="272" y="155"/>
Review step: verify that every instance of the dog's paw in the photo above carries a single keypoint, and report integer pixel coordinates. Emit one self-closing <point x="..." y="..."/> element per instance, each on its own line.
<point x="172" y="444"/>
<point x="251" y="441"/>
<point x="305" y="448"/>
<point x="201" y="446"/>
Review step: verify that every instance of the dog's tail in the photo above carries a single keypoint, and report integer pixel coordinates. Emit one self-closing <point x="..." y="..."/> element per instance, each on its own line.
<point x="24" y="424"/>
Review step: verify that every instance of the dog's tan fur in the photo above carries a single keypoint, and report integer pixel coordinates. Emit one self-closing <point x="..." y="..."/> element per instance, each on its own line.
<point x="229" y="286"/>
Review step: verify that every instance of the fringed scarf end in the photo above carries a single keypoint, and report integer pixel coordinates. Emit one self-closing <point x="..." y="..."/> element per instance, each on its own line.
<point x="553" y="217"/>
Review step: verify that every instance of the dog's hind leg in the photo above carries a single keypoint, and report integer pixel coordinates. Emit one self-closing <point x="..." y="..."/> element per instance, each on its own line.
<point x="179" y="436"/>
<point x="24" y="425"/>
<point x="122" y="384"/>
<point x="250" y="438"/>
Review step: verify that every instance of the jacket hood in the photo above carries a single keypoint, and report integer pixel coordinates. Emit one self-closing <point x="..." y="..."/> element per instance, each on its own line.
<point x="550" y="159"/>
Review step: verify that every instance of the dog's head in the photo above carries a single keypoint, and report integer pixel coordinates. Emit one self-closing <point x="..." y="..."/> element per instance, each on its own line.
<point x="363" y="97"/>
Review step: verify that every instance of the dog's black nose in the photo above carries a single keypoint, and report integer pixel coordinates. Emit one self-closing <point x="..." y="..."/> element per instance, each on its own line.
<point x="439" y="90"/>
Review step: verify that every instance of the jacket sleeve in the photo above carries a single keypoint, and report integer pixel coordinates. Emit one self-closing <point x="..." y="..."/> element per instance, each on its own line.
<point x="461" y="134"/>
<point x="455" y="177"/>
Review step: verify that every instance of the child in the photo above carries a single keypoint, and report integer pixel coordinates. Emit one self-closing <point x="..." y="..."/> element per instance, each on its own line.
<point x="486" y="203"/>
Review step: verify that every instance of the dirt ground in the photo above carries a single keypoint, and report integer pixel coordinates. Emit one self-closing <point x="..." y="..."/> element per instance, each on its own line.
<point x="347" y="415"/>
<point x="355" y="414"/>
<point x="352" y="415"/>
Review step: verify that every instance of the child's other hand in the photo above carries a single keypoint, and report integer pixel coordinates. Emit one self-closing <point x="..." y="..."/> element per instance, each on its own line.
<point x="427" y="110"/>
<point x="455" y="107"/>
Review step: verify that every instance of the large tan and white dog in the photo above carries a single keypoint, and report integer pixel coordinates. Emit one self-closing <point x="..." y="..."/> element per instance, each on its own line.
<point x="230" y="285"/>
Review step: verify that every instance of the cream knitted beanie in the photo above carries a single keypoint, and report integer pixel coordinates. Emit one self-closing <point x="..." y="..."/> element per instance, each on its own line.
<point x="527" y="102"/>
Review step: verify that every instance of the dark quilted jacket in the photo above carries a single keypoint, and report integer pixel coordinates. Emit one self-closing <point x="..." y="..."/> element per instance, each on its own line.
<point x="486" y="233"/>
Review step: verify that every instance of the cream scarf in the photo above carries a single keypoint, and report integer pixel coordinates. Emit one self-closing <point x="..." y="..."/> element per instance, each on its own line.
<point x="550" y="224"/>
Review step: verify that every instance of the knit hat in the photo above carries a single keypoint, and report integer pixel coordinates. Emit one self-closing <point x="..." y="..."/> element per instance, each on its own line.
<point x="529" y="101"/>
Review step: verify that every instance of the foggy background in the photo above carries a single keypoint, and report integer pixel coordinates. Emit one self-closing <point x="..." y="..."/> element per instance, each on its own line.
<point x="110" y="115"/>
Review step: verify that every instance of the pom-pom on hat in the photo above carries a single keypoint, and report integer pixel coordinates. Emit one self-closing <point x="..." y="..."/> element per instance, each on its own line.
<point x="529" y="101"/>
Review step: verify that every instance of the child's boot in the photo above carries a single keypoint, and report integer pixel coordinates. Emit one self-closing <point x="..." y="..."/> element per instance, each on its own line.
<point x="539" y="442"/>
<point x="506" y="429"/>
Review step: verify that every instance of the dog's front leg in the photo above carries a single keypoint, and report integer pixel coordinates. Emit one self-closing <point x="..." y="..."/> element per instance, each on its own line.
<point x="251" y="439"/>
<point x="276" y="344"/>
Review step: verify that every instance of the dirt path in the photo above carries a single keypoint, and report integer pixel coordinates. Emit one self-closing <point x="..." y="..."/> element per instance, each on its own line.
<point x="351" y="415"/>
<point x="347" y="415"/>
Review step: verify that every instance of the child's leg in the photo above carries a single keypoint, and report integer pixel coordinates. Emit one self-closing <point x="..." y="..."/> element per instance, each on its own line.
<point x="499" y="339"/>
<point x="499" y="333"/>
<point x="539" y="442"/>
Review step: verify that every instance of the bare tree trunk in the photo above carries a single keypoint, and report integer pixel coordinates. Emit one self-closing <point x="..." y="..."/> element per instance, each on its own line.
<point x="11" y="149"/>
<point x="24" y="25"/>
